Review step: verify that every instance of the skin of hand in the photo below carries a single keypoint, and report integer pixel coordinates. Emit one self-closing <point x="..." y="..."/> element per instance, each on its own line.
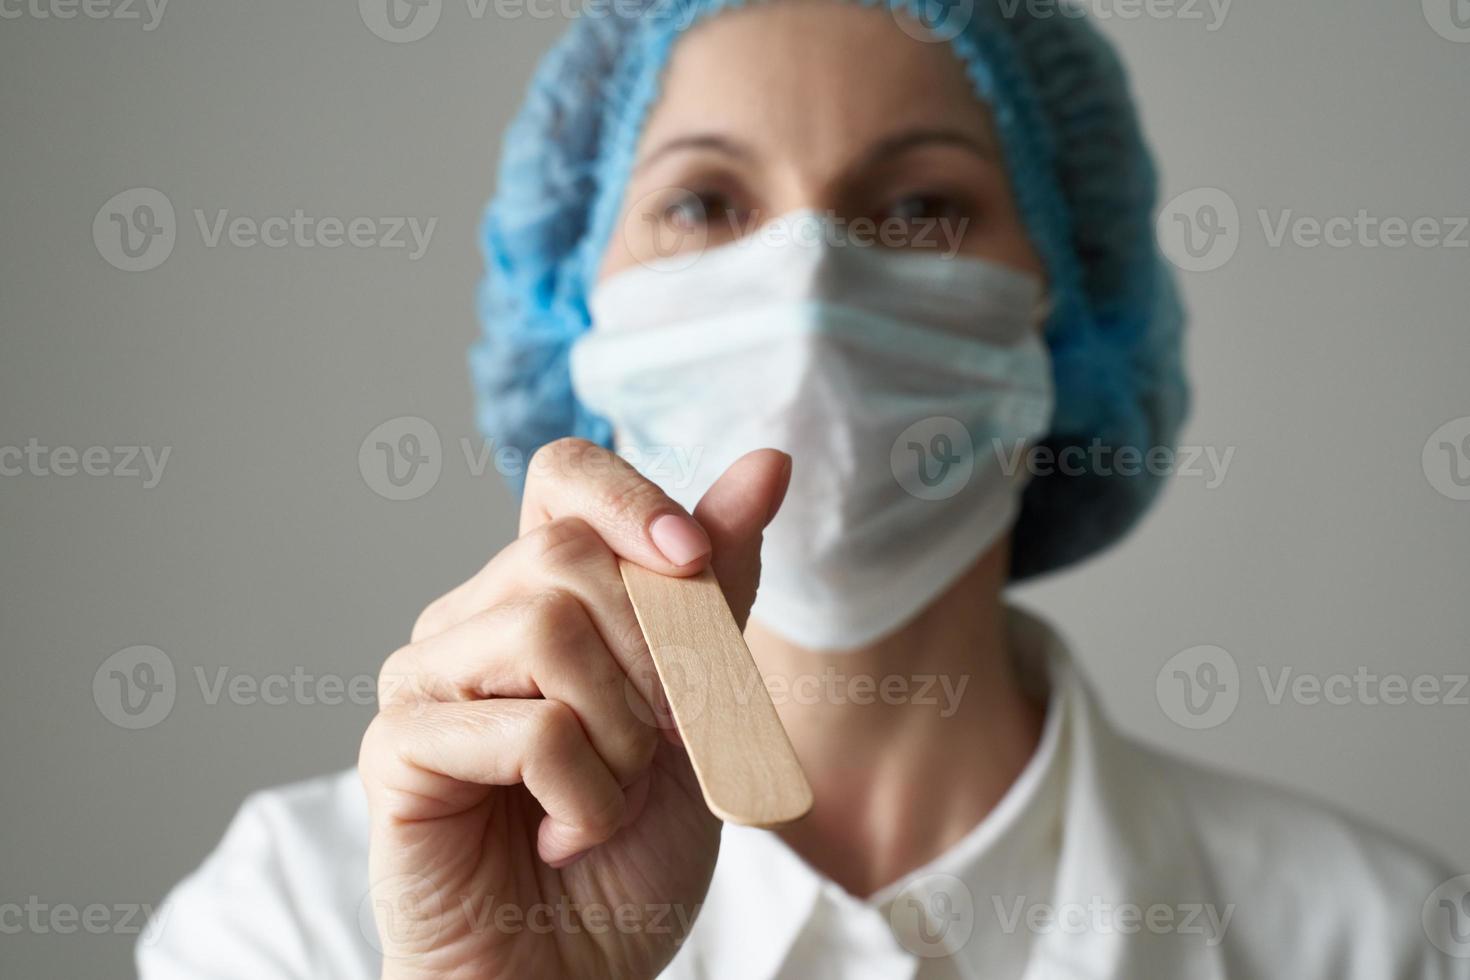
<point x="532" y="812"/>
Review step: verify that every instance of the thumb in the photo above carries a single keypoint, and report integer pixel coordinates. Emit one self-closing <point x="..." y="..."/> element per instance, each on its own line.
<point x="734" y="512"/>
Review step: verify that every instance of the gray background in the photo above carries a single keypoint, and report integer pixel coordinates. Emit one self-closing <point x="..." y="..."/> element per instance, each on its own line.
<point x="264" y="549"/>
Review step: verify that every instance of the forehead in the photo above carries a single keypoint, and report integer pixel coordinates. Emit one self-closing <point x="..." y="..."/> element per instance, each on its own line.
<point x="816" y="73"/>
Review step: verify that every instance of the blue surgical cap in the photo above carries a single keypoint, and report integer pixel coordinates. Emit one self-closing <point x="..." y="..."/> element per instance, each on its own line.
<point x="1083" y="179"/>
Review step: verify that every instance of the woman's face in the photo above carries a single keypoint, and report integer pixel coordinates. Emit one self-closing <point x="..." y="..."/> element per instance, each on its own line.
<point x="824" y="105"/>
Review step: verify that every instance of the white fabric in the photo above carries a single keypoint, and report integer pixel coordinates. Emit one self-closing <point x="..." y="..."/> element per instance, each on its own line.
<point x="904" y="384"/>
<point x="1229" y="879"/>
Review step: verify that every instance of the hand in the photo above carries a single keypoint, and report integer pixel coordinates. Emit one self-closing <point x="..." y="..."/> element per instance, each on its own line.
<point x="528" y="819"/>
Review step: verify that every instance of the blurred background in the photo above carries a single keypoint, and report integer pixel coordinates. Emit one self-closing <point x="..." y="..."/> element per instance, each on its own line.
<point x="204" y="557"/>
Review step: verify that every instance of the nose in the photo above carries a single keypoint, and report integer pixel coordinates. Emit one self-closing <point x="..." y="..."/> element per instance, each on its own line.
<point x="802" y="185"/>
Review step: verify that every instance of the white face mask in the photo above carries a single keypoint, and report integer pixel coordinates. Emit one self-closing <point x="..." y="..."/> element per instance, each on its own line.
<point x="903" y="385"/>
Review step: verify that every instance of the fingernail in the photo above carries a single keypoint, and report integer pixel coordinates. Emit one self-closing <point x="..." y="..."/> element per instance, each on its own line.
<point x="679" y="538"/>
<point x="785" y="484"/>
<point x="569" y="859"/>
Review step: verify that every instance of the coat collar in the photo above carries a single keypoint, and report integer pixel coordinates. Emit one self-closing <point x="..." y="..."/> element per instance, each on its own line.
<point x="1118" y="841"/>
<point x="1127" y="844"/>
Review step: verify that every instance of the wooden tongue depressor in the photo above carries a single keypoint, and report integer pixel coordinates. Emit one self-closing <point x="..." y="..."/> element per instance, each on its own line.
<point x="746" y="766"/>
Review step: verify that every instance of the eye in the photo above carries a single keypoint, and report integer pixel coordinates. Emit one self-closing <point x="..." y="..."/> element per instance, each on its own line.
<point x="922" y="219"/>
<point x="926" y="207"/>
<point x="691" y="210"/>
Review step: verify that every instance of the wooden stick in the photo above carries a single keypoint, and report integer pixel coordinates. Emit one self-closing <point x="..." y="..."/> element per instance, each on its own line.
<point x="746" y="766"/>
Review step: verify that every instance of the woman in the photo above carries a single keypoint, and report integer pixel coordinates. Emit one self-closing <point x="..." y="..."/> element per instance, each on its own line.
<point x="826" y="267"/>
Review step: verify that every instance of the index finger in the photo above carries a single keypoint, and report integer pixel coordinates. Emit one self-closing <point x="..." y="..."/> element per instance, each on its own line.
<point x="576" y="478"/>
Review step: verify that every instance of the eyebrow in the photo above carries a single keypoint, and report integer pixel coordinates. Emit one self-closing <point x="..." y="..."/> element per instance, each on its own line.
<point x="696" y="141"/>
<point x="901" y="143"/>
<point x="890" y="146"/>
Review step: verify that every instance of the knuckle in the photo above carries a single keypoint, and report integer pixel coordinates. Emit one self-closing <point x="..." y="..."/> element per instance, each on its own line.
<point x="629" y="636"/>
<point x="605" y="820"/>
<point x="432" y="620"/>
<point x="631" y="502"/>
<point x="391" y="675"/>
<point x="555" y="730"/>
<point x="569" y="541"/>
<point x="379" y="742"/>
<point x="558" y="456"/>
<point x="566" y="447"/>
<point x="635" y="748"/>
<point x="559" y="625"/>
